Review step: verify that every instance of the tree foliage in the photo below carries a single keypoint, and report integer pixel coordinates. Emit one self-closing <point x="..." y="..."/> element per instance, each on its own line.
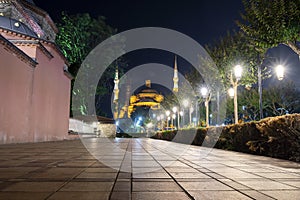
<point x="270" y="23"/>
<point x="283" y="98"/>
<point x="78" y="35"/>
<point x="234" y="49"/>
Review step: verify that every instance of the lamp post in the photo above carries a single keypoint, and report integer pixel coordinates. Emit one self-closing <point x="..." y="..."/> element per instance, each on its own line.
<point x="185" y="105"/>
<point x="280" y="75"/>
<point x="175" y="110"/>
<point x="159" y="124"/>
<point x="181" y="115"/>
<point x="173" y="119"/>
<point x="168" y="114"/>
<point x="190" y="113"/>
<point x="162" y="117"/>
<point x="261" y="114"/>
<point x="235" y="82"/>
<point x="206" y="95"/>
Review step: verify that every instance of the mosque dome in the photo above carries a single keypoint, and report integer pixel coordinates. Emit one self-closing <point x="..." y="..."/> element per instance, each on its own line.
<point x="16" y="26"/>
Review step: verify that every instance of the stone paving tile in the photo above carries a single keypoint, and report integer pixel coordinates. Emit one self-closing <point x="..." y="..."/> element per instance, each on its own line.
<point x="58" y="173"/>
<point x="276" y="175"/>
<point x="137" y="170"/>
<point x="239" y="175"/>
<point x="143" y="164"/>
<point x="74" y="195"/>
<point x="100" y="169"/>
<point x="294" y="183"/>
<point x="66" y="170"/>
<point x="265" y="184"/>
<point x="159" y="195"/>
<point x="155" y="187"/>
<point x="24" y="195"/>
<point x="190" y="175"/>
<point x="35" y="186"/>
<point x="152" y="180"/>
<point x="256" y="195"/>
<point x="234" y="184"/>
<point x="122" y="186"/>
<point x="121" y="196"/>
<point x="88" y="186"/>
<point x="205" y="184"/>
<point x="176" y="169"/>
<point x="284" y="194"/>
<point x="219" y="195"/>
<point x="151" y="175"/>
<point x="97" y="175"/>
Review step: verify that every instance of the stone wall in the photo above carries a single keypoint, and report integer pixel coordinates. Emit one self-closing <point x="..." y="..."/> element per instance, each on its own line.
<point x="107" y="130"/>
<point x="97" y="128"/>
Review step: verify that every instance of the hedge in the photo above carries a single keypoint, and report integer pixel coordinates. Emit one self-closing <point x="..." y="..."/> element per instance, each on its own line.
<point x="277" y="137"/>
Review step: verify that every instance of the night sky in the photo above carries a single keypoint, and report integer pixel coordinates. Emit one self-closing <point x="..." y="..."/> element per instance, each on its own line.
<point x="204" y="21"/>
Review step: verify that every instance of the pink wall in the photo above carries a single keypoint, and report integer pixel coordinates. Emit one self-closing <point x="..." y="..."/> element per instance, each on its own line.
<point x="15" y="101"/>
<point x="34" y="103"/>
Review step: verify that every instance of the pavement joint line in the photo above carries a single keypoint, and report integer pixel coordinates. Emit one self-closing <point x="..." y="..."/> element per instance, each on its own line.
<point x="252" y="173"/>
<point x="238" y="190"/>
<point x="234" y="189"/>
<point x="131" y="174"/>
<point x="118" y="173"/>
<point x="184" y="190"/>
<point x="69" y="180"/>
<point x="258" y="191"/>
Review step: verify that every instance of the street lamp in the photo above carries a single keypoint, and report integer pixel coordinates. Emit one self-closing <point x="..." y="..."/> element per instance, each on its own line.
<point x="206" y="95"/>
<point x="280" y="72"/>
<point x="162" y="117"/>
<point x="238" y="74"/>
<point x="181" y="113"/>
<point x="158" y="124"/>
<point x="190" y="113"/>
<point x="185" y="105"/>
<point x="175" y="110"/>
<point x="168" y="114"/>
<point x="173" y="119"/>
<point x="280" y="75"/>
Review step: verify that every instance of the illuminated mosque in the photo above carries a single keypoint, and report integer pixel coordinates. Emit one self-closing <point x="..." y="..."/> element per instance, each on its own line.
<point x="145" y="97"/>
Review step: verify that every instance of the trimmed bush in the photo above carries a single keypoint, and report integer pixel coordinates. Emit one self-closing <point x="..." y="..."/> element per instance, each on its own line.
<point x="277" y="137"/>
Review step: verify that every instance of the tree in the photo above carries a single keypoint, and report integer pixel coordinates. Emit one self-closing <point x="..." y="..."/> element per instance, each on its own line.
<point x="283" y="98"/>
<point x="270" y="23"/>
<point x="78" y="35"/>
<point x="233" y="49"/>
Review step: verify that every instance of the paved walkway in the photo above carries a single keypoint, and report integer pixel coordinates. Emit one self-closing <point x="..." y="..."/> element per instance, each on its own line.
<point x="140" y="169"/>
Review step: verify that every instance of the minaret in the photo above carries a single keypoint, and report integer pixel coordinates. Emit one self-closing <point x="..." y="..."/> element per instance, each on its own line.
<point x="116" y="93"/>
<point x="175" y="78"/>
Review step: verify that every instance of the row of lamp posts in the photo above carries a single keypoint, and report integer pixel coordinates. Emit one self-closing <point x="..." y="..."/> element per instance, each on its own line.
<point x="235" y="82"/>
<point x="205" y="93"/>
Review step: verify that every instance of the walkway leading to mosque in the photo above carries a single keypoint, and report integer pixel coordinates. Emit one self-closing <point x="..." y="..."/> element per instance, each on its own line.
<point x="141" y="169"/>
